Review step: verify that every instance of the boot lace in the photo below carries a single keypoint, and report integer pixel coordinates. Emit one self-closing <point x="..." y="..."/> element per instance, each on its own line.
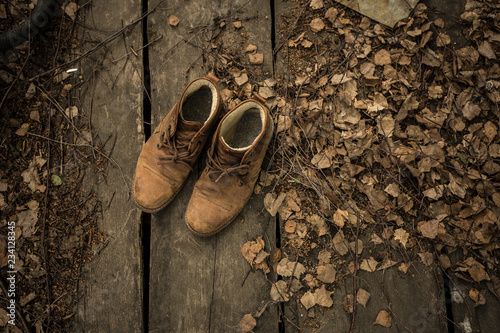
<point x="177" y="146"/>
<point x="218" y="169"/>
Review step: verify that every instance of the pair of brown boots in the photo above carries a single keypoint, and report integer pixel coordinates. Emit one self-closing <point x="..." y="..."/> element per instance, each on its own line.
<point x="234" y="158"/>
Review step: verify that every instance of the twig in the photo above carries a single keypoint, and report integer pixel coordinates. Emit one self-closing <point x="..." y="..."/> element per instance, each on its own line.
<point x="139" y="49"/>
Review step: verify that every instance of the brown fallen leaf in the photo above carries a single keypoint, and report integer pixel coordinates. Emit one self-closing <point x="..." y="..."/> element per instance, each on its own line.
<point x="173" y="20"/>
<point x="404" y="267"/>
<point x="393" y="190"/>
<point x="279" y="291"/>
<point x="287" y="268"/>
<point x="486" y="50"/>
<point x="369" y="265"/>
<point x="316" y="4"/>
<point x="251" y="48"/>
<point x="23" y="130"/>
<point x="256" y="58"/>
<point x="317" y="25"/>
<point x="308" y="300"/>
<point x="326" y="273"/>
<point x="427" y="258"/>
<point x="339" y="217"/>
<point x="362" y="297"/>
<point x="402" y="236"/>
<point x="339" y="243"/>
<point x="331" y="14"/>
<point x="428" y="229"/>
<point x="382" y="57"/>
<point x="247" y="323"/>
<point x="290" y="226"/>
<point x="323" y="297"/>
<point x="273" y="202"/>
<point x="348" y="303"/>
<point x="383" y="319"/>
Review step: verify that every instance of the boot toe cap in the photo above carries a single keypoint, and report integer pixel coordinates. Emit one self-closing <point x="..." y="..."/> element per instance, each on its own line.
<point x="152" y="193"/>
<point x="205" y="217"/>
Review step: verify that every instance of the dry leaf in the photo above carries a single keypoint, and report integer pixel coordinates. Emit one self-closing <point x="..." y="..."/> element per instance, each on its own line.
<point x="286" y="268"/>
<point x="362" y="297"/>
<point x="392" y="189"/>
<point x="340" y="217"/>
<point x="348" y="303"/>
<point x="428" y="229"/>
<point x="251" y="48"/>
<point x="290" y="226"/>
<point x="323" y="297"/>
<point x="316" y="4"/>
<point x="273" y="202"/>
<point x="308" y="300"/>
<point x="382" y="57"/>
<point x="339" y="243"/>
<point x="256" y="58"/>
<point x="23" y="130"/>
<point x="71" y="9"/>
<point x="471" y="110"/>
<point x="331" y="14"/>
<point x="241" y="79"/>
<point x="27" y="221"/>
<point x="442" y="39"/>
<point x="386" y="264"/>
<point x="490" y="130"/>
<point x="34" y="115"/>
<point x="326" y="274"/>
<point x="284" y="123"/>
<point x="404" y="267"/>
<point x="383" y="319"/>
<point x="386" y="125"/>
<point x="427" y="258"/>
<point x="173" y="20"/>
<point x="401" y="235"/>
<point x="247" y="323"/>
<point x="279" y="291"/>
<point x="317" y="25"/>
<point x="369" y="265"/>
<point x="486" y="50"/>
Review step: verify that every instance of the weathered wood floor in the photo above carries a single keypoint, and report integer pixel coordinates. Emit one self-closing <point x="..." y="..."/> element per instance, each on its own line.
<point x="154" y="275"/>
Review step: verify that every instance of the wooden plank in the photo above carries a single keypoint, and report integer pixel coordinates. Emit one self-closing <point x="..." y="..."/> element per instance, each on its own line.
<point x="112" y="99"/>
<point x="201" y="284"/>
<point x="236" y="290"/>
<point x="182" y="265"/>
<point x="415" y="301"/>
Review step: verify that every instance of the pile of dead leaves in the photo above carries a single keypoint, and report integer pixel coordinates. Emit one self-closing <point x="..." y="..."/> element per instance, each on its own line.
<point x="384" y="136"/>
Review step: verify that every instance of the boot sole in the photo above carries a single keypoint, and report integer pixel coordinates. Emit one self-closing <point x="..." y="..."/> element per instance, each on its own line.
<point x="200" y="234"/>
<point x="156" y="210"/>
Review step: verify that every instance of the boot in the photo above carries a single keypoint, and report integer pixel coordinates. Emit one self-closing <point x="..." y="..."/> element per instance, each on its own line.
<point x="234" y="160"/>
<point x="168" y="156"/>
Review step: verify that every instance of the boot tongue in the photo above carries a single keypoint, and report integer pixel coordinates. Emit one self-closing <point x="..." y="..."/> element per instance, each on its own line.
<point x="227" y="154"/>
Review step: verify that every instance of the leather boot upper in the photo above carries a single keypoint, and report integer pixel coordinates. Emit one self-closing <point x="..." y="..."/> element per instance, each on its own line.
<point x="233" y="165"/>
<point x="168" y="156"/>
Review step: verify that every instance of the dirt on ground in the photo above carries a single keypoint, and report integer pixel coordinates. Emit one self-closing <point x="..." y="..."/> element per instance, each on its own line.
<point x="47" y="219"/>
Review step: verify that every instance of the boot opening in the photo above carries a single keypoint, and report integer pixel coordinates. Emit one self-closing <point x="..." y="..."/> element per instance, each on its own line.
<point x="198" y="105"/>
<point x="247" y="129"/>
